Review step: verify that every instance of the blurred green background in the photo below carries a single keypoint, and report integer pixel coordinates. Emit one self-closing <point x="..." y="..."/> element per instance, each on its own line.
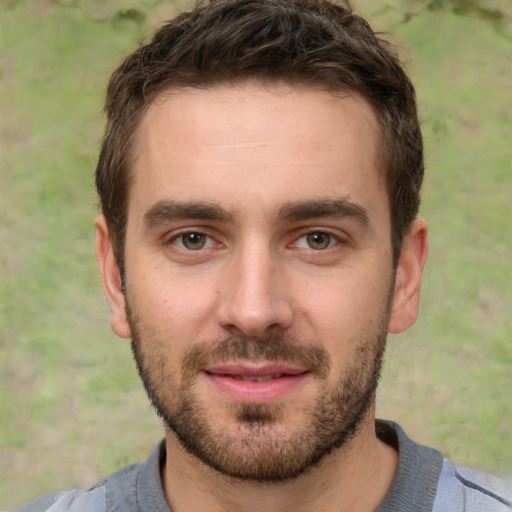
<point x="71" y="406"/>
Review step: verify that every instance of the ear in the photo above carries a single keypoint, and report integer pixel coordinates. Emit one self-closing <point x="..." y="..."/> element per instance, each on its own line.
<point x="408" y="277"/>
<point x="111" y="279"/>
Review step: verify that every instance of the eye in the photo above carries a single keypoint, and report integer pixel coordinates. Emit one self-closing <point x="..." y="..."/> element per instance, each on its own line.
<point x="193" y="241"/>
<point x="317" y="240"/>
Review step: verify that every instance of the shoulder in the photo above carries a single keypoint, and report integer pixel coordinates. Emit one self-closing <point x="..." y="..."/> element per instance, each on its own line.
<point x="426" y="481"/>
<point x="471" y="490"/>
<point x="79" y="500"/>
<point x="136" y="487"/>
<point x="67" y="501"/>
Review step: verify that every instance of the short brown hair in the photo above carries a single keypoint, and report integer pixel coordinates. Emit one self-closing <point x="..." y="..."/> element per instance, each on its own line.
<point x="308" y="42"/>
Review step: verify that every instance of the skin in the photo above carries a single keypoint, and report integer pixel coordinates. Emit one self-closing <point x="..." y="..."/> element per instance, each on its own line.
<point x="252" y="150"/>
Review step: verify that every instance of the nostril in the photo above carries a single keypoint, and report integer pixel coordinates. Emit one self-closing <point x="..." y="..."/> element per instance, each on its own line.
<point x="255" y="324"/>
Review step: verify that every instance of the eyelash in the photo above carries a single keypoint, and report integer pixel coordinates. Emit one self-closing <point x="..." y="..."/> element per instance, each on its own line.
<point x="333" y="240"/>
<point x="174" y="240"/>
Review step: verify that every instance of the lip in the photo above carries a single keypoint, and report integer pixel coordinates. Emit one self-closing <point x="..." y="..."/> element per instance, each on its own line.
<point x="237" y="381"/>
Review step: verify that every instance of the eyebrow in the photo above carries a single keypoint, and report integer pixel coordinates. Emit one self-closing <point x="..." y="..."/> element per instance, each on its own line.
<point x="336" y="208"/>
<point x="168" y="210"/>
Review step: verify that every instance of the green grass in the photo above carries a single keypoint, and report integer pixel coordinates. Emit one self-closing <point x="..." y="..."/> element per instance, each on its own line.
<point x="462" y="74"/>
<point x="71" y="406"/>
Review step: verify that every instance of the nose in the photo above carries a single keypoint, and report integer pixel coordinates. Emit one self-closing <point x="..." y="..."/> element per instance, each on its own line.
<point x="253" y="296"/>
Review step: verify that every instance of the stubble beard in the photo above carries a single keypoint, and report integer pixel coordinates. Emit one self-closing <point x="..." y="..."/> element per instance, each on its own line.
<point x="260" y="447"/>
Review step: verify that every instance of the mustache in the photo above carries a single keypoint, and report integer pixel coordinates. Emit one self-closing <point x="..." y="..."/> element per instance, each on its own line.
<point x="273" y="347"/>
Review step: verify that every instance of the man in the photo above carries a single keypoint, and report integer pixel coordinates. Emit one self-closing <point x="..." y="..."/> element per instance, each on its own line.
<point x="259" y="183"/>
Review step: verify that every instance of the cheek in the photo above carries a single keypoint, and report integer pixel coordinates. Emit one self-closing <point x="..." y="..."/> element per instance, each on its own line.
<point x="343" y="310"/>
<point x="172" y="306"/>
<point x="348" y="295"/>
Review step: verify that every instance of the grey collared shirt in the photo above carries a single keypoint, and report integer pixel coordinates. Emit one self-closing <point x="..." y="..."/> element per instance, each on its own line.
<point x="425" y="481"/>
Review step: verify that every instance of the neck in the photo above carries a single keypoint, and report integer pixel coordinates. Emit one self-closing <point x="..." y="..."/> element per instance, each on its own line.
<point x="353" y="478"/>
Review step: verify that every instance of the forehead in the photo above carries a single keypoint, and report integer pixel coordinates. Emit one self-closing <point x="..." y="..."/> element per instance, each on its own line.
<point x="245" y="141"/>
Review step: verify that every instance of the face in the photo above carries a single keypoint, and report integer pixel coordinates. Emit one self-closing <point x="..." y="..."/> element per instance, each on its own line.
<point x="259" y="285"/>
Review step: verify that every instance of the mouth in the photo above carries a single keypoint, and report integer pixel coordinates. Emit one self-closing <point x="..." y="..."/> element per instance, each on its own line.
<point x="255" y="383"/>
<point x="257" y="378"/>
